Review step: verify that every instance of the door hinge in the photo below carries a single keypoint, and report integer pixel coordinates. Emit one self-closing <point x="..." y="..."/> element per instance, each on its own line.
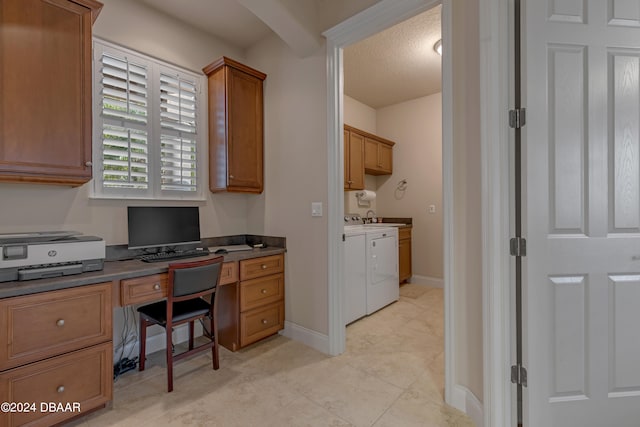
<point x="518" y="246"/>
<point x="343" y="237"/>
<point x="517" y="118"/>
<point x="519" y="375"/>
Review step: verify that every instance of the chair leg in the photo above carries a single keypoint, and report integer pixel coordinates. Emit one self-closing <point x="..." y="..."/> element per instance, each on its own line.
<point x="143" y="344"/>
<point x="214" y="349"/>
<point x="191" y="335"/>
<point x="169" y="361"/>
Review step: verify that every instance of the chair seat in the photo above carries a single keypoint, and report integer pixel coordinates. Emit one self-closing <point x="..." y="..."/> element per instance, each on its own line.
<point x="157" y="312"/>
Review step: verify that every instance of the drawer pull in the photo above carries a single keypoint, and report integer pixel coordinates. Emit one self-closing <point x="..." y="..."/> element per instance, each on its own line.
<point x="60" y="389"/>
<point x="264" y="321"/>
<point x="264" y="266"/>
<point x="60" y="322"/>
<point x="156" y="287"/>
<point x="264" y="291"/>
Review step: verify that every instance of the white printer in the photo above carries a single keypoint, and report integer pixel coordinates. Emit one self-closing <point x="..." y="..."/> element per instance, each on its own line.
<point x="44" y="254"/>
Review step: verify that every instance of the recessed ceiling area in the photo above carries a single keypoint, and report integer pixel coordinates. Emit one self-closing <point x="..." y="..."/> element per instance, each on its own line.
<point x="225" y="19"/>
<point x="397" y="64"/>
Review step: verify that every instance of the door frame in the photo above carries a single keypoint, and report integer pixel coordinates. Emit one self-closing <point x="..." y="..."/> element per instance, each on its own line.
<point x="496" y="199"/>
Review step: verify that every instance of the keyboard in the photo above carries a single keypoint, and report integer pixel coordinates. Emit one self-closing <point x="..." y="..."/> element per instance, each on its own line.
<point x="168" y="256"/>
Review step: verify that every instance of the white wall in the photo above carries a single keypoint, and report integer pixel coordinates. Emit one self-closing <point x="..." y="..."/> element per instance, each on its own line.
<point x="296" y="164"/>
<point x="416" y="128"/>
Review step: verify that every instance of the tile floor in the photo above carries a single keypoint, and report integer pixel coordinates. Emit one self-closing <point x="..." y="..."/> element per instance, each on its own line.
<point x="391" y="375"/>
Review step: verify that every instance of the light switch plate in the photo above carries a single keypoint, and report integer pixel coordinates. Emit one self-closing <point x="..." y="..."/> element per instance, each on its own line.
<point x="316" y="208"/>
<point x="432" y="209"/>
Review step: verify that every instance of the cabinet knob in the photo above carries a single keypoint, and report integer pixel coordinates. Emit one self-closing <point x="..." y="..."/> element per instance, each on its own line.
<point x="264" y="266"/>
<point x="60" y="322"/>
<point x="349" y="182"/>
<point x="88" y="164"/>
<point x="264" y="321"/>
<point x="156" y="286"/>
<point x="231" y="177"/>
<point x="60" y="389"/>
<point x="264" y="291"/>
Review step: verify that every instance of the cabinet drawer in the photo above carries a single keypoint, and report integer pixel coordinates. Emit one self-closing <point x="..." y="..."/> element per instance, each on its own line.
<point x="404" y="233"/>
<point x="261" y="322"/>
<point x="257" y="292"/>
<point x="84" y="376"/>
<point x="259" y="267"/>
<point x="229" y="273"/>
<point x="153" y="288"/>
<point x="38" y="326"/>
<point x="143" y="289"/>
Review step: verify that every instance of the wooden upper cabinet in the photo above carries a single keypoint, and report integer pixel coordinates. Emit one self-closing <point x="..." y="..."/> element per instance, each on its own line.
<point x="45" y="82"/>
<point x="235" y="127"/>
<point x="353" y="160"/>
<point x="378" y="156"/>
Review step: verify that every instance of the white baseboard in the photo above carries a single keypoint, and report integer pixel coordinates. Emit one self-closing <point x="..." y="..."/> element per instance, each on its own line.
<point x="467" y="402"/>
<point x="428" y="281"/>
<point x="306" y="336"/>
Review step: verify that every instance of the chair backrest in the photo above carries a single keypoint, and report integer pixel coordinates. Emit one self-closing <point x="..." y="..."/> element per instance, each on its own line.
<point x="195" y="278"/>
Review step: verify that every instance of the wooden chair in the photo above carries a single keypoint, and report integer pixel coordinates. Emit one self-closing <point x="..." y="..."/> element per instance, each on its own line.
<point x="188" y="283"/>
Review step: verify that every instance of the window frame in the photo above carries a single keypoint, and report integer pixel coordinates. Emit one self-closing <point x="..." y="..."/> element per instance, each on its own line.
<point x="155" y="68"/>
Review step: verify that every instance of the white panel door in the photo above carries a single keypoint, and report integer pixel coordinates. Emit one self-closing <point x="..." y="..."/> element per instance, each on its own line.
<point x="582" y="215"/>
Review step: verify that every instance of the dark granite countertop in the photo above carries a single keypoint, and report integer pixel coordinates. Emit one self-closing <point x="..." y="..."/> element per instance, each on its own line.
<point x="404" y="222"/>
<point x="115" y="270"/>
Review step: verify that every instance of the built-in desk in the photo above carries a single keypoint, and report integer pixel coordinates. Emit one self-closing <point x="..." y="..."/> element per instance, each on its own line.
<point x="56" y="334"/>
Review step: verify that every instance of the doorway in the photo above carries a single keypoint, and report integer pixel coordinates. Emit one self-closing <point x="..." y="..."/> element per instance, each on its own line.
<point x="365" y="24"/>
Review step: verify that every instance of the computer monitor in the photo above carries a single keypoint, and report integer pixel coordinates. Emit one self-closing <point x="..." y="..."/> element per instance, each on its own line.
<point x="154" y="226"/>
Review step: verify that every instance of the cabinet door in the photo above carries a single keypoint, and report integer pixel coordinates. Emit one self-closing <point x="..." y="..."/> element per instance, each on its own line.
<point x="245" y="126"/>
<point x="404" y="254"/>
<point x="356" y="161"/>
<point x="370" y="153"/>
<point x="385" y="158"/>
<point x="45" y="107"/>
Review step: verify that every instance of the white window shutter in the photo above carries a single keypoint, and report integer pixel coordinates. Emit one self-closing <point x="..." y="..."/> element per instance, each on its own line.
<point x="125" y="105"/>
<point x="178" y="139"/>
<point x="147" y="137"/>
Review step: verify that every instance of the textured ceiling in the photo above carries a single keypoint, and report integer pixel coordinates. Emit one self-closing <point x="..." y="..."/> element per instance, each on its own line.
<point x="397" y="64"/>
<point x="393" y="66"/>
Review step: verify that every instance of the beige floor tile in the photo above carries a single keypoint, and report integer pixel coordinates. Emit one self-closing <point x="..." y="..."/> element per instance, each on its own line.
<point x="354" y="395"/>
<point x="392" y="374"/>
<point x="304" y="413"/>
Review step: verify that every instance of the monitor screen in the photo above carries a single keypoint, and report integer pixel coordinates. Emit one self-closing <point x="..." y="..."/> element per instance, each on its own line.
<point x="153" y="226"/>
